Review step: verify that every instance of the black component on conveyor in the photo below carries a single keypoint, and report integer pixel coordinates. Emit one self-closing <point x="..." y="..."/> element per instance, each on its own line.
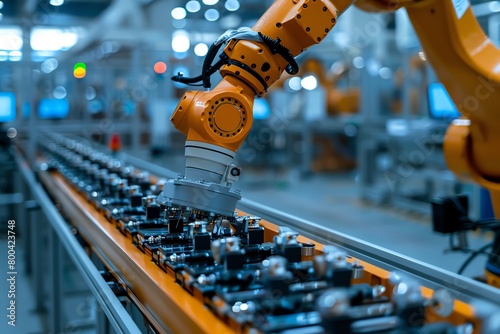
<point x="256" y="236"/>
<point x="175" y="225"/>
<point x="293" y="253"/>
<point x="153" y="211"/>
<point x="202" y="241"/>
<point x="136" y="200"/>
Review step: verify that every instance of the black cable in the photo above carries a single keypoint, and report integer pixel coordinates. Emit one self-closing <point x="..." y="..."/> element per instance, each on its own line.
<point x="473" y="256"/>
<point x="207" y="64"/>
<point x="208" y="69"/>
<point x="276" y="47"/>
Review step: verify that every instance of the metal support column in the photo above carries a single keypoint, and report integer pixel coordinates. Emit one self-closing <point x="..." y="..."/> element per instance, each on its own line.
<point x="55" y="295"/>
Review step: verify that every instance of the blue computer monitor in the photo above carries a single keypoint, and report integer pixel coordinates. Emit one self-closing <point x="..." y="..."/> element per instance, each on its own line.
<point x="7" y="107"/>
<point x="441" y="105"/>
<point x="53" y="108"/>
<point x="261" y="109"/>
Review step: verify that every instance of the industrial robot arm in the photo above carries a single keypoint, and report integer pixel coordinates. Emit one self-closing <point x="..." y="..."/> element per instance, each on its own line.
<point x="468" y="64"/>
<point x="216" y="122"/>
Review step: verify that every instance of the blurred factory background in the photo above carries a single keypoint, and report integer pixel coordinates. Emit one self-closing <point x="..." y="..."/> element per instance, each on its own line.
<point x="352" y="142"/>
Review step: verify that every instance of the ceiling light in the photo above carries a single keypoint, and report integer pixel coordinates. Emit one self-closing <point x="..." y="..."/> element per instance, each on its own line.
<point x="232" y="5"/>
<point x="178" y="13"/>
<point x="212" y="15"/>
<point x="358" y="62"/>
<point x="294" y="83"/>
<point x="180" y="41"/>
<point x="11" y="38"/>
<point x="193" y="6"/>
<point x="310" y="82"/>
<point x="60" y="92"/>
<point x="210" y="2"/>
<point x="1" y="16"/>
<point x="90" y="93"/>
<point x="52" y="39"/>
<point x="3" y="55"/>
<point x="56" y="2"/>
<point x="1" y="4"/>
<point x="49" y="65"/>
<point x="385" y="73"/>
<point x="15" y="55"/>
<point x="494" y="6"/>
<point x="201" y="49"/>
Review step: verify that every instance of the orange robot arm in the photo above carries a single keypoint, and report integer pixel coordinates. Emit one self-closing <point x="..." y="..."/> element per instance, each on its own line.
<point x="217" y="122"/>
<point x="464" y="59"/>
<point x="468" y="64"/>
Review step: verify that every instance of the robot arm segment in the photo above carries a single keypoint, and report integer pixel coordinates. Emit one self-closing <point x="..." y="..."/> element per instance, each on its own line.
<point x="468" y="64"/>
<point x="217" y="122"/>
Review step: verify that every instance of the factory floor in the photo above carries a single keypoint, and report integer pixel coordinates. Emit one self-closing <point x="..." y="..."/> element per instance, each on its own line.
<point x="28" y="319"/>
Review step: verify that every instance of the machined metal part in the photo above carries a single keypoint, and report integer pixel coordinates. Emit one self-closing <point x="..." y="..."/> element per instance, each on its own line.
<point x="378" y="290"/>
<point x="357" y="270"/>
<point x="375" y="325"/>
<point x="333" y="303"/>
<point x="134" y="190"/>
<point x="442" y="302"/>
<point x="148" y="200"/>
<point x="308" y="249"/>
<point x="206" y="279"/>
<point x="406" y="291"/>
<point x="275" y="266"/>
<point x="331" y="259"/>
<point x="286" y="236"/>
<point x="210" y="197"/>
<point x="220" y="247"/>
<point x="177" y="258"/>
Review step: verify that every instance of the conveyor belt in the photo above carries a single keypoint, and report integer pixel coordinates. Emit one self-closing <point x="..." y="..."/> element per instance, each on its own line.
<point x="168" y="307"/>
<point x="165" y="303"/>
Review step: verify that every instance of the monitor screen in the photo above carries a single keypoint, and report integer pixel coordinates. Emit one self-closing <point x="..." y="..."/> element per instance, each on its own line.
<point x="53" y="108"/>
<point x="7" y="107"/>
<point x="261" y="109"/>
<point x="440" y="104"/>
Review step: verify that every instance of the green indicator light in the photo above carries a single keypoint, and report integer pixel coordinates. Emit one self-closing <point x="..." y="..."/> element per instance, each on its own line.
<point x="80" y="65"/>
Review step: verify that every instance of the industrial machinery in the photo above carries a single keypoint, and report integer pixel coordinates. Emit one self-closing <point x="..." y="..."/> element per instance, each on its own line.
<point x="192" y="271"/>
<point x="216" y="122"/>
<point x="254" y="276"/>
